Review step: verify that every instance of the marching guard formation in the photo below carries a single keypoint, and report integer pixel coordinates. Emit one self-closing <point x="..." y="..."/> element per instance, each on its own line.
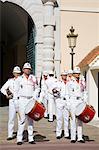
<point x="65" y="99"/>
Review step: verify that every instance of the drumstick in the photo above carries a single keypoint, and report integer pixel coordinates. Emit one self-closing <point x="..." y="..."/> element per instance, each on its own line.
<point x="70" y="115"/>
<point x="18" y="114"/>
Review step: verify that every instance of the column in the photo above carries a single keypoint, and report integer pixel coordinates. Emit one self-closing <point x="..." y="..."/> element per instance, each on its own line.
<point x="48" y="48"/>
<point x="38" y="20"/>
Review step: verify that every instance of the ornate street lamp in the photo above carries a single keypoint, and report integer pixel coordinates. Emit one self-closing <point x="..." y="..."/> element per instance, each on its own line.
<point x="72" y="43"/>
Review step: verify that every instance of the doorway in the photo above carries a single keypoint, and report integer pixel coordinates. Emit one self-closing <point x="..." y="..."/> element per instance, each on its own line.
<point x="16" y="41"/>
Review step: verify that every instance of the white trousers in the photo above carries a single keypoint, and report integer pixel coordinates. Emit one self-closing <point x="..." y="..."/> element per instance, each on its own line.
<point x="44" y="99"/>
<point x="22" y="119"/>
<point x="51" y="106"/>
<point x="62" y="114"/>
<point x="75" y="124"/>
<point x="45" y="102"/>
<point x="12" y="115"/>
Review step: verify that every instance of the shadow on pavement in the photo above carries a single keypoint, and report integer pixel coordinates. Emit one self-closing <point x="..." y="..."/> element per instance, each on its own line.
<point x="86" y="138"/>
<point x="40" y="138"/>
<point x="37" y="137"/>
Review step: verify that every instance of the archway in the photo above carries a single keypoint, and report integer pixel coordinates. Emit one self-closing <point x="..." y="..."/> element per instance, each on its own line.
<point x="17" y="40"/>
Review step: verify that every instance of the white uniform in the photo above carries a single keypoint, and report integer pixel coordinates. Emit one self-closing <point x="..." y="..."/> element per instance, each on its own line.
<point x="44" y="96"/>
<point x="69" y="78"/>
<point x="13" y="106"/>
<point x="75" y="91"/>
<point x="50" y="83"/>
<point x="25" y="92"/>
<point x="62" y="110"/>
<point x="69" y="75"/>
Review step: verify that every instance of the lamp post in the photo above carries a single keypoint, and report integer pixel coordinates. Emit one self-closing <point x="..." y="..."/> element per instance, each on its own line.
<point x="72" y="43"/>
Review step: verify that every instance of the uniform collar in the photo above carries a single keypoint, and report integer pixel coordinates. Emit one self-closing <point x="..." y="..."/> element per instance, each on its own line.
<point x="64" y="81"/>
<point x="25" y="76"/>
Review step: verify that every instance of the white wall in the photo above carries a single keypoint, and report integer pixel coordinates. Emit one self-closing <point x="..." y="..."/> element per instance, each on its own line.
<point x="92" y="84"/>
<point x="84" y="16"/>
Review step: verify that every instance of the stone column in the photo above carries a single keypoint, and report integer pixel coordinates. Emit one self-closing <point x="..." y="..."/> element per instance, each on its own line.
<point x="38" y="20"/>
<point x="48" y="48"/>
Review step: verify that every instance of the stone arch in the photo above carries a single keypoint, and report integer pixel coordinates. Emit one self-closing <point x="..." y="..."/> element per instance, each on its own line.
<point x="34" y="9"/>
<point x="24" y="23"/>
<point x="42" y="20"/>
<point x="27" y="5"/>
<point x="33" y="15"/>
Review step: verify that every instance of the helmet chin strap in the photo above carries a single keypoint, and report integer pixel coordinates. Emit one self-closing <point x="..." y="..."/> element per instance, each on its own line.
<point x="77" y="79"/>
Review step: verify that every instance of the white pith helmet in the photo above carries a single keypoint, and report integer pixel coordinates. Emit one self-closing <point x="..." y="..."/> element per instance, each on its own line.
<point x="27" y="66"/>
<point x="70" y="71"/>
<point x="16" y="69"/>
<point x="64" y="72"/>
<point x="77" y="70"/>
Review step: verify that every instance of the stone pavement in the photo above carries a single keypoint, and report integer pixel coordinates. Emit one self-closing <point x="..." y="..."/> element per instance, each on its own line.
<point x="44" y="133"/>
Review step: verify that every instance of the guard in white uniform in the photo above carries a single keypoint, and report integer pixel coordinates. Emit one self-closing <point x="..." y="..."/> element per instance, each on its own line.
<point x="76" y="90"/>
<point x="8" y="89"/>
<point x="62" y="112"/>
<point x="44" y="93"/>
<point x="69" y="75"/>
<point x="50" y="83"/>
<point x="25" y="87"/>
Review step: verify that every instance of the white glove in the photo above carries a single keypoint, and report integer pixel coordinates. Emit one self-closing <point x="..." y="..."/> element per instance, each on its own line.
<point x="9" y="96"/>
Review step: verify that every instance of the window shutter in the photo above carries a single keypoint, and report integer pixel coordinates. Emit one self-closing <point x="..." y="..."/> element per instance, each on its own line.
<point x="30" y="54"/>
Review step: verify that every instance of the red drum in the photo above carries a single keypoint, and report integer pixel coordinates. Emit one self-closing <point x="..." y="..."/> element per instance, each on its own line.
<point x="85" y="112"/>
<point x="35" y="110"/>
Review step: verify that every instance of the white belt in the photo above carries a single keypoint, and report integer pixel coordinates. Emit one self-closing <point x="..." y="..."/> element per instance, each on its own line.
<point x="28" y="97"/>
<point x="77" y="98"/>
